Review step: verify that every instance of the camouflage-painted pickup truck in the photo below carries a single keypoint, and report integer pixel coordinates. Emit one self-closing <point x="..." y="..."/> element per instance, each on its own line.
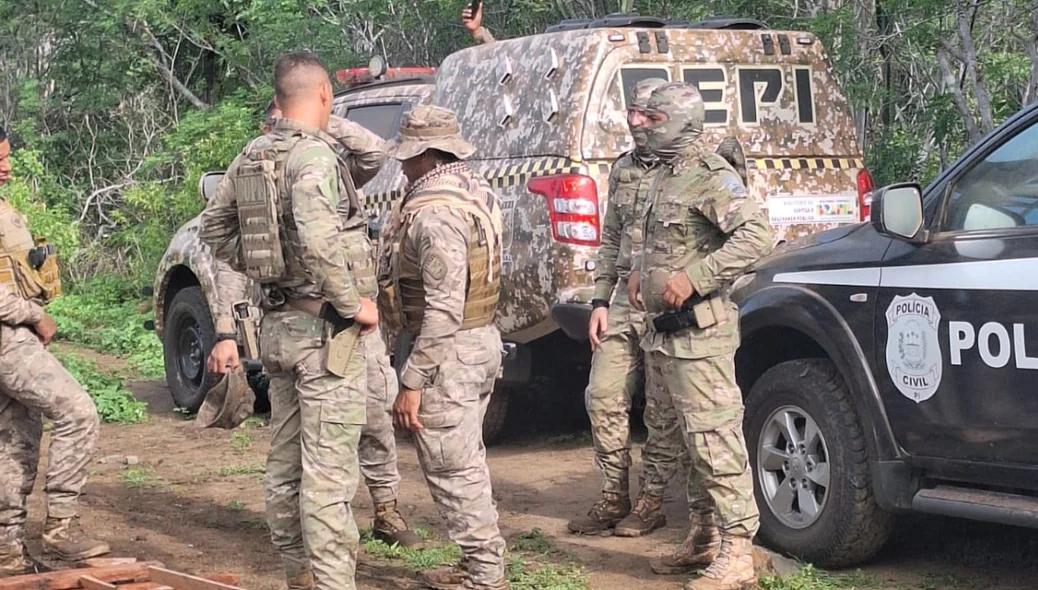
<point x="547" y="114"/>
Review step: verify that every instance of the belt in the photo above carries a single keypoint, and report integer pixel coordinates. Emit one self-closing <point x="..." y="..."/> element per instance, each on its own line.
<point x="310" y="306"/>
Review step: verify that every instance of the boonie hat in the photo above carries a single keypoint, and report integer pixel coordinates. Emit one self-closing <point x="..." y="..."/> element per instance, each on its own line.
<point x="228" y="403"/>
<point x="429" y="127"/>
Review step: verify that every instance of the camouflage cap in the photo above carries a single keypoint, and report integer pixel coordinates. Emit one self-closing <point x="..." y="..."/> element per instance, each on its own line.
<point x="228" y="403"/>
<point x="643" y="90"/>
<point x="429" y="127"/>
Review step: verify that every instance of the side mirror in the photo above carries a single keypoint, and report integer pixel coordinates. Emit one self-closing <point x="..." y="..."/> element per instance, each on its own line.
<point x="897" y="211"/>
<point x="208" y="183"/>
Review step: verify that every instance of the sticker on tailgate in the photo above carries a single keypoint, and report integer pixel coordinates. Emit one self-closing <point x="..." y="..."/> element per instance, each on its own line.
<point x="790" y="209"/>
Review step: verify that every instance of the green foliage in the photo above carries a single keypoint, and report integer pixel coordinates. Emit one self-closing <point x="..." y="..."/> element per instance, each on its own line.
<point x="46" y="219"/>
<point x="137" y="477"/>
<point x="102" y="314"/>
<point x="417" y="559"/>
<point x="114" y="402"/>
<point x="810" y="578"/>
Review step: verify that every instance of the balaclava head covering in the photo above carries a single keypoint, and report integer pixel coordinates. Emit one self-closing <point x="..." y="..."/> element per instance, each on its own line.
<point x="681" y="112"/>
<point x="641" y="92"/>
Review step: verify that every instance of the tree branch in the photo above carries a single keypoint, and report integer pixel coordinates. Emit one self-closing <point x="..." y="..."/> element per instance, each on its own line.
<point x="980" y="89"/>
<point x="951" y="84"/>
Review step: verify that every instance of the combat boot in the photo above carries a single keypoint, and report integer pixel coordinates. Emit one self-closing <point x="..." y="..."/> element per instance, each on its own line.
<point x="15" y="561"/>
<point x="452" y="577"/>
<point x="699" y="549"/>
<point x="65" y="538"/>
<point x="646" y="517"/>
<point x="304" y="580"/>
<point x="391" y="528"/>
<point x="604" y="515"/>
<point x="732" y="570"/>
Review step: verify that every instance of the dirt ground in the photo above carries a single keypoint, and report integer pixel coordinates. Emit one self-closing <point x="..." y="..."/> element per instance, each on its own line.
<point x="193" y="499"/>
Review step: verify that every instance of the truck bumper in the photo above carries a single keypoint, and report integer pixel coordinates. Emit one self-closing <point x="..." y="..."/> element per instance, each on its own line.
<point x="572" y="318"/>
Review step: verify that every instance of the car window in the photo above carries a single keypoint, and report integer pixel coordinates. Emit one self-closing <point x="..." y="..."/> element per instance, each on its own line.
<point x="1000" y="192"/>
<point x="380" y="119"/>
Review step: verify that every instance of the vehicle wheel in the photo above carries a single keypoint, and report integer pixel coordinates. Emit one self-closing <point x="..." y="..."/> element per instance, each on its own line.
<point x="494" y="419"/>
<point x="188" y="339"/>
<point x="810" y="464"/>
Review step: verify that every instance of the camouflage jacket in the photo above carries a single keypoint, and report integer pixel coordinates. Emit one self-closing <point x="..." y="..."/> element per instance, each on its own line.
<point x="16" y="311"/>
<point x="482" y="36"/>
<point x="311" y="175"/>
<point x="440" y="236"/>
<point x="629" y="183"/>
<point x="361" y="154"/>
<point x="701" y="221"/>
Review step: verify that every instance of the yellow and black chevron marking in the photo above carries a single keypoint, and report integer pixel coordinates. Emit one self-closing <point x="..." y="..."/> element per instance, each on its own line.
<point x="805" y="163"/>
<point x="509" y="176"/>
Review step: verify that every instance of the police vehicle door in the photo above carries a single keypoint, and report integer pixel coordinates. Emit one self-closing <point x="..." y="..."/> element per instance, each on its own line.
<point x="956" y="325"/>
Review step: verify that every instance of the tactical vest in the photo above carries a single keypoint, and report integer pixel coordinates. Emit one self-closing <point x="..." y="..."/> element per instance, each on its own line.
<point x="633" y="181"/>
<point x="270" y="245"/>
<point x="360" y="261"/>
<point x="19" y="254"/>
<point x="404" y="296"/>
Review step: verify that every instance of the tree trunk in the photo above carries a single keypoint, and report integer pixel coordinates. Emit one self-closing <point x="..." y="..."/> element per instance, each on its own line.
<point x="952" y="85"/>
<point x="980" y="89"/>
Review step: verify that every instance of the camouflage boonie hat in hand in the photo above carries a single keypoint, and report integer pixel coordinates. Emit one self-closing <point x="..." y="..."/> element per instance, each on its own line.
<point x="429" y="127"/>
<point x="228" y="403"/>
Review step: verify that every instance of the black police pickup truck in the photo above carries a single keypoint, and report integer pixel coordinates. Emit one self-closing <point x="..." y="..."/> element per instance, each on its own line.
<point x="893" y="366"/>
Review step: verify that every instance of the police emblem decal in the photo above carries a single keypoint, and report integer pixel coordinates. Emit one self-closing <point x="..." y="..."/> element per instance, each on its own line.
<point x="913" y="350"/>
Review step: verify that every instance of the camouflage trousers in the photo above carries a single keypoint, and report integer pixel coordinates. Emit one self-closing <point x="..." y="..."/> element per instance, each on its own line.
<point x="617" y="374"/>
<point x="377" y="439"/>
<point x="34" y="385"/>
<point x="312" y="468"/>
<point x="700" y="400"/>
<point x="452" y="455"/>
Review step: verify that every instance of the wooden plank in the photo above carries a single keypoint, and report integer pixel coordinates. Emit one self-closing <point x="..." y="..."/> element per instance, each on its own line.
<point x="106" y="562"/>
<point x="92" y="583"/>
<point x="229" y="579"/>
<point x="143" y="586"/>
<point x="69" y="579"/>
<point x="181" y="581"/>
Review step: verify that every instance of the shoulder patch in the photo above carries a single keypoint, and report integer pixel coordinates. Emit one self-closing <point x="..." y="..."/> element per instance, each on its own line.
<point x="734" y="186"/>
<point x="436" y="269"/>
<point x="715" y="162"/>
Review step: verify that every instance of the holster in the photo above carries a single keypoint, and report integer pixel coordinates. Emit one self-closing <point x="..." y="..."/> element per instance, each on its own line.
<point x="695" y="312"/>
<point x="248" y="328"/>
<point x="343" y="333"/>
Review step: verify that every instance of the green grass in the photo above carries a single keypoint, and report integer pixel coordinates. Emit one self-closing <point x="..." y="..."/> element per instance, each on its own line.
<point x="528" y="566"/>
<point x="114" y="402"/>
<point x="424" y="558"/>
<point x="137" y="477"/>
<point x="241" y="441"/>
<point x="810" y="578"/>
<point x="236" y="505"/>
<point x="529" y="575"/>
<point x="242" y="470"/>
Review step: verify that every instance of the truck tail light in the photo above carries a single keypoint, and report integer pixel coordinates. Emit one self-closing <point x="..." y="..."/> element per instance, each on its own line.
<point x="865" y="188"/>
<point x="572" y="206"/>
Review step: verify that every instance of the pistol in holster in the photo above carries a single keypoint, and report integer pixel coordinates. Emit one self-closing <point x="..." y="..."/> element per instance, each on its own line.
<point x="695" y="312"/>
<point x="248" y="328"/>
<point x="345" y="332"/>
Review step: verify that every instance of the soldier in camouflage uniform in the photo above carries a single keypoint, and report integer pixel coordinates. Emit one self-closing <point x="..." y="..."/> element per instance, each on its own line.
<point x="361" y="155"/>
<point x="33" y="386"/>
<point x="308" y="342"/>
<point x="702" y="230"/>
<point x="617" y="367"/>
<point x="439" y="279"/>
